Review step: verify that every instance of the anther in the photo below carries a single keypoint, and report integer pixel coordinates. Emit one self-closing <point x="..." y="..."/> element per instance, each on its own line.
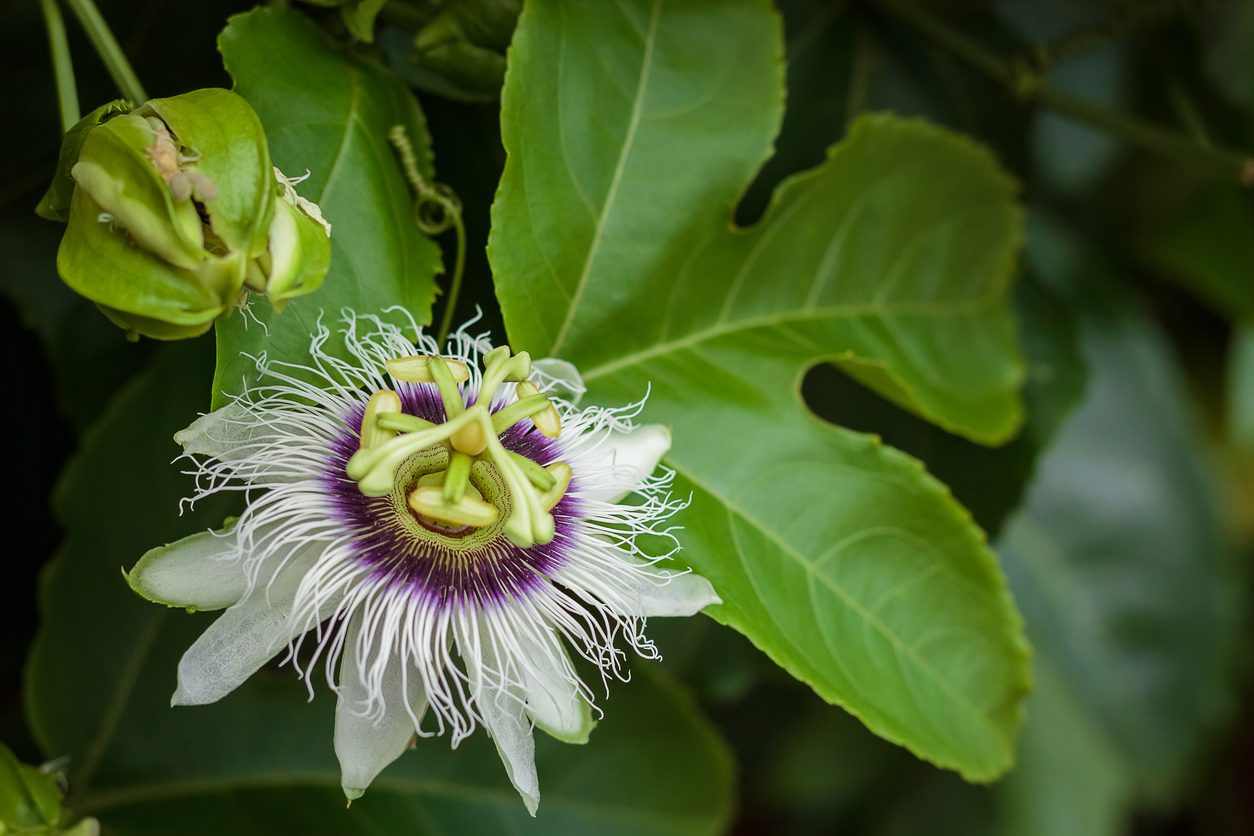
<point x="547" y="420"/>
<point x="520" y="409"/>
<point x="417" y="368"/>
<point x="561" y="473"/>
<point x="383" y="402"/>
<point x="430" y="502"/>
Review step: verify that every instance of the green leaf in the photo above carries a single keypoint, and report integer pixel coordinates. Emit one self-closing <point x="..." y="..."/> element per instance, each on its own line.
<point x="359" y="16"/>
<point x="990" y="482"/>
<point x="840" y="558"/>
<point x="893" y="258"/>
<point x="1118" y="563"/>
<point x="261" y="761"/>
<point x="329" y="114"/>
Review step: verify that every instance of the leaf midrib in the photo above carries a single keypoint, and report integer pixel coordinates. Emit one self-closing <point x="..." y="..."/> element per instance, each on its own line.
<point x="637" y="109"/>
<point x="960" y="307"/>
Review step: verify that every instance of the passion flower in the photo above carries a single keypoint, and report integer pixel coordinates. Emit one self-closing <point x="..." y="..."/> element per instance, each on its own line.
<point x="443" y="526"/>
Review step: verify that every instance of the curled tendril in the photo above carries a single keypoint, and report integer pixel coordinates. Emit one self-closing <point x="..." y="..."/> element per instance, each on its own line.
<point x="437" y="208"/>
<point x="435" y="204"/>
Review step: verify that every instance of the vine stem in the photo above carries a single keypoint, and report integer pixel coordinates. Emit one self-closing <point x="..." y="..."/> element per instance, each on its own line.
<point x="62" y="66"/>
<point x="1223" y="163"/>
<point x="108" y="49"/>
<point x="455" y="287"/>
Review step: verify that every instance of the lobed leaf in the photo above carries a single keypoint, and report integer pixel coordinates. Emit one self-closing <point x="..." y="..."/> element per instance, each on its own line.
<point x="839" y="557"/>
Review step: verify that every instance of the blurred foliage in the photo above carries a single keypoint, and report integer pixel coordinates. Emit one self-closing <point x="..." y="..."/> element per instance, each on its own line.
<point x="1123" y="512"/>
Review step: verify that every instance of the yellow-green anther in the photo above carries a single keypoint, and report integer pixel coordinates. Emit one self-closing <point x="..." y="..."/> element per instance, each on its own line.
<point x="457" y="476"/>
<point x="536" y="474"/>
<point x="561" y="473"/>
<point x="404" y="423"/>
<point x="444" y="380"/>
<point x="416" y="369"/>
<point x="431" y="503"/>
<point x="547" y="421"/>
<point x="505" y="418"/>
<point x="383" y="402"/>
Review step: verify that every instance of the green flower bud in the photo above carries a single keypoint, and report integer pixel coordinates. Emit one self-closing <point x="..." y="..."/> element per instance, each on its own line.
<point x="171" y="210"/>
<point x="116" y="171"/>
<point x="225" y="151"/>
<point x="55" y="205"/>
<point x="298" y="254"/>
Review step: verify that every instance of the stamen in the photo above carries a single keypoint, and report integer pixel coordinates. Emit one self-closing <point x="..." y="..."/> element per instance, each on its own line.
<point x="505" y="418"/>
<point x="470" y="434"/>
<point x="528" y="524"/>
<point x="417" y="368"/>
<point x="383" y="402"/>
<point x="547" y="421"/>
<point x="561" y="473"/>
<point x="431" y="502"/>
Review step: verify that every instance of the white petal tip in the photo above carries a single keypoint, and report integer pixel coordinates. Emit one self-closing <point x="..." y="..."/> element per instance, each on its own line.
<point x="184" y="695"/>
<point x="532" y="803"/>
<point x="352" y="793"/>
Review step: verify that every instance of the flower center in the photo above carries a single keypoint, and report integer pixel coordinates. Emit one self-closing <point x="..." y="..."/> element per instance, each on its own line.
<point x="455" y="479"/>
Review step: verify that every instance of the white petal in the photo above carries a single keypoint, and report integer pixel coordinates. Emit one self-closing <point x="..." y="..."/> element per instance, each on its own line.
<point x="681" y="593"/>
<point x="220" y="433"/>
<point x="559" y="378"/>
<point x="244" y="637"/>
<point x="501" y="706"/>
<point x="198" y="572"/>
<point x="231" y="435"/>
<point x="621" y="462"/>
<point x="553" y="699"/>
<point x="364" y="745"/>
<point x="636" y="587"/>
